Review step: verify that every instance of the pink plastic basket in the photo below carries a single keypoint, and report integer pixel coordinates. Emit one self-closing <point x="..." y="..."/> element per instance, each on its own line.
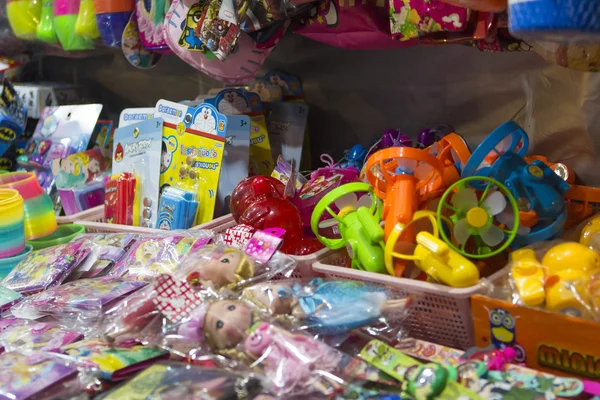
<point x="92" y="221"/>
<point x="441" y="314"/>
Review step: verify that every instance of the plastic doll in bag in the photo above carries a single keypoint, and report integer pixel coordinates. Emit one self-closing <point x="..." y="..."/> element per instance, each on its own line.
<point x="328" y="307"/>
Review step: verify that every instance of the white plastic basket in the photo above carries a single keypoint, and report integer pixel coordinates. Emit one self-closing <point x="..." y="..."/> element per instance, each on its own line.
<point x="440" y="314"/>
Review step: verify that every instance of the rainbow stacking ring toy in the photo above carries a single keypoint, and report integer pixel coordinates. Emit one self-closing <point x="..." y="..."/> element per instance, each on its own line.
<point x="39" y="214"/>
<point x="12" y="223"/>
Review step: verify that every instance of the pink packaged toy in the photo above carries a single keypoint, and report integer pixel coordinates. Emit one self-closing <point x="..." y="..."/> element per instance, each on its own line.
<point x="184" y="20"/>
<point x="20" y="334"/>
<point x="151" y="24"/>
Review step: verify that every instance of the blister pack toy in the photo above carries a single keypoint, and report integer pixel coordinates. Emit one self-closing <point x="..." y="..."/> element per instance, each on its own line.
<point x="24" y="335"/>
<point x="103" y="138"/>
<point x="132" y="115"/>
<point x="134" y="187"/>
<point x="182" y="22"/>
<point x="181" y="379"/>
<point x="239" y="101"/>
<point x="45" y="268"/>
<point x="290" y="85"/>
<point x="286" y="123"/>
<point x="193" y="142"/>
<point x="79" y="179"/>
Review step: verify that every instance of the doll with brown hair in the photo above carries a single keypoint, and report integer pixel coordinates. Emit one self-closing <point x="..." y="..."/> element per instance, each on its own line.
<point x="328" y="307"/>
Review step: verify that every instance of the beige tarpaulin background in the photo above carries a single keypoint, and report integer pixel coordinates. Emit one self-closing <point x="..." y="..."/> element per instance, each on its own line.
<point x="355" y="95"/>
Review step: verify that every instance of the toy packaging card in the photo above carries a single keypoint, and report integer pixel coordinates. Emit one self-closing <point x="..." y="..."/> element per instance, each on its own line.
<point x="13" y="115"/>
<point x="235" y="160"/>
<point x="79" y="179"/>
<point x="286" y="122"/>
<point x="106" y="250"/>
<point x="283" y="171"/>
<point x="20" y="334"/>
<point x="180" y="380"/>
<point x="23" y="376"/>
<point x="45" y="268"/>
<point x="193" y="145"/>
<point x="114" y="363"/>
<point x="136" y="166"/>
<point x="266" y="90"/>
<point x="103" y="138"/>
<point x="132" y="115"/>
<point x="240" y="101"/>
<point x="36" y="96"/>
<point x="290" y="85"/>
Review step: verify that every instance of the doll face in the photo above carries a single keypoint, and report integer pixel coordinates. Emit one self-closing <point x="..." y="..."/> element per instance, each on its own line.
<point x="222" y="270"/>
<point x="67" y="166"/>
<point x="94" y="165"/>
<point x="267" y="295"/>
<point x="227" y="322"/>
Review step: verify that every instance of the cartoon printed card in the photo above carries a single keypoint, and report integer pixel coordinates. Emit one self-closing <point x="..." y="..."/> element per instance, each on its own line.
<point x="290" y="85"/>
<point x="240" y="101"/>
<point x="45" y="268"/>
<point x="193" y="145"/>
<point x="103" y="137"/>
<point x="137" y="151"/>
<point x="19" y="334"/>
<point x="23" y="376"/>
<point x="79" y="169"/>
<point x="115" y="363"/>
<point x="183" y="381"/>
<point x="132" y="115"/>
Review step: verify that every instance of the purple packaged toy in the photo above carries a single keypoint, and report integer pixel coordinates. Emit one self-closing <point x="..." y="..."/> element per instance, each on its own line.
<point x="20" y="334"/>
<point x="45" y="268"/>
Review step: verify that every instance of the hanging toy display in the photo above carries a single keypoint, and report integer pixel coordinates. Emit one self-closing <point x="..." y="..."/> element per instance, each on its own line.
<point x="86" y="25"/>
<point x="45" y="30"/>
<point x="150" y="19"/>
<point x="23" y="17"/>
<point x="66" y="13"/>
<point x="538" y="190"/>
<point x="111" y="17"/>
<point x="358" y="225"/>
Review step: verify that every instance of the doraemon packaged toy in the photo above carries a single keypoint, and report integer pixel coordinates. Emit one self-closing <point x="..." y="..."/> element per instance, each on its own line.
<point x="136" y="164"/>
<point x="193" y="142"/>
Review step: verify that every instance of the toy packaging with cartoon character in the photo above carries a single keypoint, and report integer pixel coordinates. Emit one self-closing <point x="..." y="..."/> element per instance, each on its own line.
<point x="132" y="191"/>
<point x="193" y="143"/>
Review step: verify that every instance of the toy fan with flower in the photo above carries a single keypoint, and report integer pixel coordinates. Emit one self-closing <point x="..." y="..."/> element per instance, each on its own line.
<point x="358" y="224"/>
<point x="475" y="216"/>
<point x="453" y="152"/>
<point x="539" y="191"/>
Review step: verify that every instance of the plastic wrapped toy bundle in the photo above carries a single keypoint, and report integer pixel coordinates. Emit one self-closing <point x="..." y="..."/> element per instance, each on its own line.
<point x="26" y="335"/>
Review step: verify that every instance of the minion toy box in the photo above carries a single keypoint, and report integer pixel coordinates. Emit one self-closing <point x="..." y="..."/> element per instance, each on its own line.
<point x="551" y="342"/>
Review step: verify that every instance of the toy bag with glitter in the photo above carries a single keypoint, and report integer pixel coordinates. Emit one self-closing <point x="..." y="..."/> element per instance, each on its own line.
<point x="45" y="268"/>
<point x="106" y="250"/>
<point x="22" y="334"/>
<point x="151" y="255"/>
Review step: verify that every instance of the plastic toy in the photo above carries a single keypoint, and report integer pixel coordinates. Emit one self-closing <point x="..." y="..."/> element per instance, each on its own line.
<point x="475" y="216"/>
<point x="495" y="359"/>
<point x="45" y="30"/>
<point x="563" y="281"/>
<point x="355" y="157"/>
<point x="433" y="256"/>
<point x="86" y="20"/>
<point x="588" y="234"/>
<point x="12" y="223"/>
<point x="8" y="263"/>
<point x="65" y="19"/>
<point x="243" y="196"/>
<point x="271" y="211"/>
<point x="23" y="17"/>
<point x="39" y="213"/>
<point x="538" y="190"/>
<point x="112" y="18"/>
<point x="453" y="152"/>
<point x="402" y="177"/>
<point x="62" y="235"/>
<point x="390" y="138"/>
<point x="150" y="19"/>
<point x="358" y="224"/>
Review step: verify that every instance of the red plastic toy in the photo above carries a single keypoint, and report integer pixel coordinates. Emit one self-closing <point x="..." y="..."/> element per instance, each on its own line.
<point x="243" y="196"/>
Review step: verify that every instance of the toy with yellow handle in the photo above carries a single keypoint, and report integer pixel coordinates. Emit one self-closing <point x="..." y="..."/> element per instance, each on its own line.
<point x="529" y="277"/>
<point x="433" y="256"/>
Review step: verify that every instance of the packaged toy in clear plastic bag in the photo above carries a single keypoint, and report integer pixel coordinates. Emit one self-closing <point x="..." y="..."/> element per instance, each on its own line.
<point x="151" y="256"/>
<point x="174" y="380"/>
<point x="21" y="334"/>
<point x="107" y="249"/>
<point x="45" y="268"/>
<point x="79" y="303"/>
<point x="559" y="276"/>
<point x="293" y="363"/>
<point x="329" y="307"/>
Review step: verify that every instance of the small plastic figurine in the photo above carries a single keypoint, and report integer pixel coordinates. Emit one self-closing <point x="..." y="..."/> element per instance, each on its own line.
<point x="328" y="307"/>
